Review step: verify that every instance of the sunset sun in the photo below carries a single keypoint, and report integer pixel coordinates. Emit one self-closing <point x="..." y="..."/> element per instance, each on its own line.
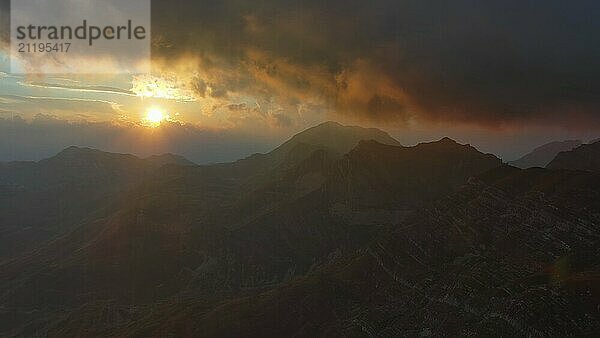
<point x="155" y="115"/>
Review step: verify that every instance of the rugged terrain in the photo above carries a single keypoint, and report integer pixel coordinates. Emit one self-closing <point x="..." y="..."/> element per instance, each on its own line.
<point x="340" y="231"/>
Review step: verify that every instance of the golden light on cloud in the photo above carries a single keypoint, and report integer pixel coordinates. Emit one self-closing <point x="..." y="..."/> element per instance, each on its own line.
<point x="148" y="86"/>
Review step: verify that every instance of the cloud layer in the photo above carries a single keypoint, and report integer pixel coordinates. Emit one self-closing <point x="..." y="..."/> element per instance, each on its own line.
<point x="492" y="63"/>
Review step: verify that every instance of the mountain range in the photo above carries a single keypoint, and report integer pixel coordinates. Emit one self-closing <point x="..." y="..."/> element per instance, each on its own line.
<point x="543" y="155"/>
<point x="585" y="157"/>
<point x="340" y="231"/>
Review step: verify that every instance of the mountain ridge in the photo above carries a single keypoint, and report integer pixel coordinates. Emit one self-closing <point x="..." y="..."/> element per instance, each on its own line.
<point x="585" y="157"/>
<point x="544" y="154"/>
<point x="331" y="136"/>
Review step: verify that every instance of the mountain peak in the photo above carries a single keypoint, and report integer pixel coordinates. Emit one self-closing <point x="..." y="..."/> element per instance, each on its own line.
<point x="330" y="136"/>
<point x="446" y="140"/>
<point x="337" y="137"/>
<point x="76" y="149"/>
<point x="399" y="176"/>
<point x="329" y="124"/>
<point x="77" y="154"/>
<point x="169" y="158"/>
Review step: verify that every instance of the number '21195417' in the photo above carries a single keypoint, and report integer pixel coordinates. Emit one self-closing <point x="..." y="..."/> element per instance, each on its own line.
<point x="41" y="47"/>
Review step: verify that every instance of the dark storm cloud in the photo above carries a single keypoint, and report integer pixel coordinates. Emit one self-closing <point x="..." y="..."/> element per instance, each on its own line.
<point x="487" y="62"/>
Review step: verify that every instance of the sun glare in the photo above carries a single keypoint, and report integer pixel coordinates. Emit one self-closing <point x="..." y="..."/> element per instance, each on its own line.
<point x="155" y="115"/>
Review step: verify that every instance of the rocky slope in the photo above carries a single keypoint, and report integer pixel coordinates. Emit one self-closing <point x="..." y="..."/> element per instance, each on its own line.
<point x="492" y="259"/>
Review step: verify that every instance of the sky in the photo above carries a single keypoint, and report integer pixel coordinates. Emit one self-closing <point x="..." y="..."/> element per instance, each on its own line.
<point x="238" y="77"/>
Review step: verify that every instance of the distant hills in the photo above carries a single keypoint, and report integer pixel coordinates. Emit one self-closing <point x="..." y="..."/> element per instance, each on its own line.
<point x="40" y="200"/>
<point x="541" y="156"/>
<point x="340" y="231"/>
<point x="585" y="157"/>
<point x="572" y="154"/>
<point x="76" y="164"/>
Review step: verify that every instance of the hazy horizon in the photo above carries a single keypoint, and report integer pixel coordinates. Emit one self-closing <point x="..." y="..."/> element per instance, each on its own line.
<point x="21" y="140"/>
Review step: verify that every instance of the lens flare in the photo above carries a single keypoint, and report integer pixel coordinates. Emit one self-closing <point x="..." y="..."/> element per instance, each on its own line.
<point x="155" y="116"/>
